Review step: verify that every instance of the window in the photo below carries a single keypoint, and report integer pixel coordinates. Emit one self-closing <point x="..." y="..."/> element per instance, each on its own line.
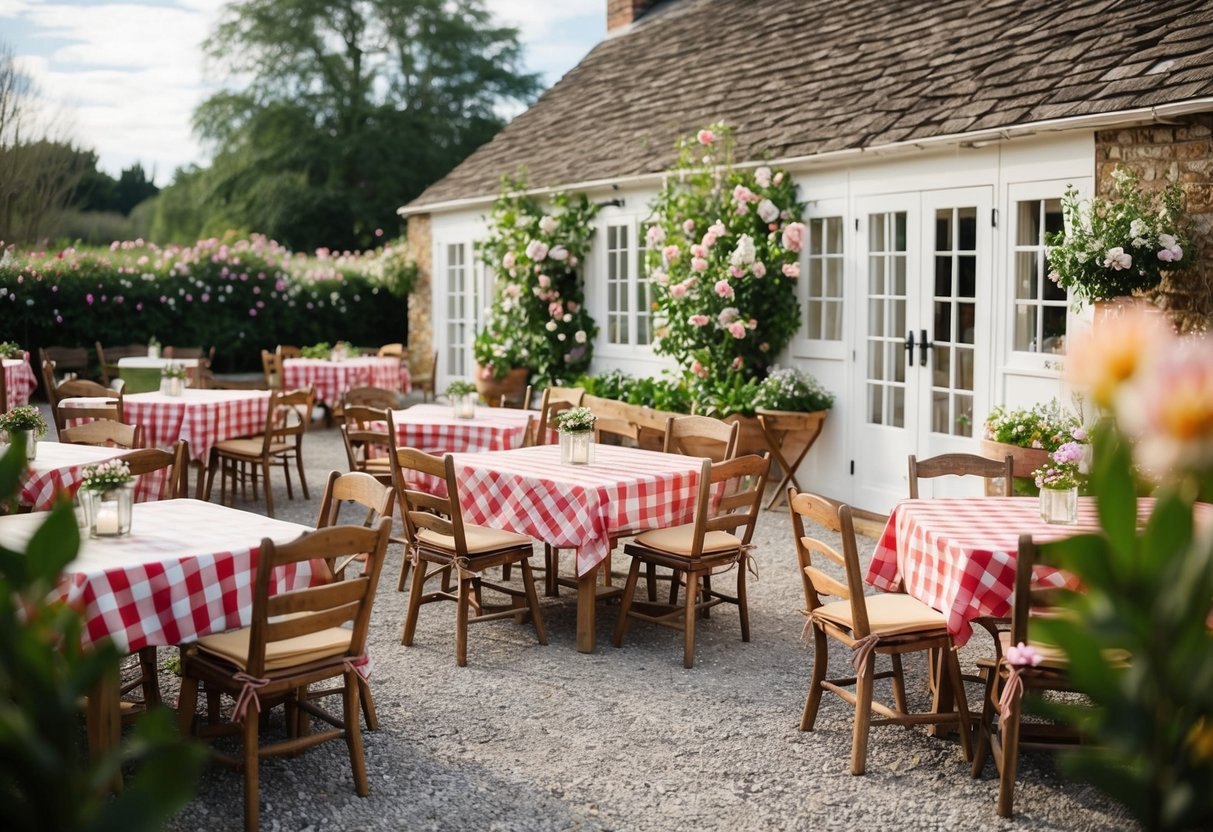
<point x="823" y="300"/>
<point x="886" y="371"/>
<point x="1040" y="304"/>
<point x="629" y="300"/>
<point x="460" y="311"/>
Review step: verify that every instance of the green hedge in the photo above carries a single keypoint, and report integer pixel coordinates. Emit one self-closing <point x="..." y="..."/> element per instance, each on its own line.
<point x="239" y="297"/>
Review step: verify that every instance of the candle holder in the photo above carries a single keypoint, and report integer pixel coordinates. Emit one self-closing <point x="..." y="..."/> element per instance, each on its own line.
<point x="464" y="406"/>
<point x="1059" y="505"/>
<point x="108" y="513"/>
<point x="577" y="448"/>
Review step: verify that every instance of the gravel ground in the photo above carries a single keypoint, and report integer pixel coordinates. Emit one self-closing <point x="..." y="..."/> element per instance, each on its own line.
<point x="528" y="737"/>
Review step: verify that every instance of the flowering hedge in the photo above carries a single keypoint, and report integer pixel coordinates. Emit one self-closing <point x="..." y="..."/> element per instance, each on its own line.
<point x="538" y="318"/>
<point x="239" y="296"/>
<point x="723" y="259"/>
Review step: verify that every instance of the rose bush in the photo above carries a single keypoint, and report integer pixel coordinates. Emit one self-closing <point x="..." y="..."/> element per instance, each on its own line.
<point x="723" y="260"/>
<point x="538" y="317"/>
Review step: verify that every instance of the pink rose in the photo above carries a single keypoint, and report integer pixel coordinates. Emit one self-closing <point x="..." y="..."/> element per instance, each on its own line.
<point x="723" y="288"/>
<point x="544" y="281"/>
<point x="791" y="270"/>
<point x="737" y="362"/>
<point x="1023" y="655"/>
<point x="737" y="329"/>
<point x="743" y="209"/>
<point x="559" y="253"/>
<point x="736" y="271"/>
<point x="698" y="250"/>
<point x="698" y="320"/>
<point x="1165" y="255"/>
<point x="688" y="227"/>
<point x="705" y="137"/>
<point x="555" y="309"/>
<point x="759" y="269"/>
<point x="718" y="229"/>
<point x="709" y="239"/>
<point x="671" y="253"/>
<point x="573" y="306"/>
<point x="536" y="250"/>
<point x="656" y="234"/>
<point x="743" y="194"/>
<point x="678" y="290"/>
<point x="699" y="370"/>
<point x="793" y="236"/>
<point x="509" y="260"/>
<point x="698" y="264"/>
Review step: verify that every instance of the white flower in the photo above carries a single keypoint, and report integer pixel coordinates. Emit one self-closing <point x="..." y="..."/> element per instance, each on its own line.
<point x="767" y="211"/>
<point x="656" y="234"/>
<point x="536" y="250"/>
<point x="548" y="225"/>
<point x="1137" y="228"/>
<point x="743" y="254"/>
<point x="659" y="277"/>
<point x="1166" y="241"/>
<point x="579" y="336"/>
<point x="1116" y="259"/>
<point x="559" y="253"/>
<point x="522" y="221"/>
<point x="763" y="177"/>
<point x="550" y="326"/>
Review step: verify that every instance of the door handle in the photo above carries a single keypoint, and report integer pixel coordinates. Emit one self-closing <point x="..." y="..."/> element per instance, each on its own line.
<point x="909" y="348"/>
<point x="923" y="346"/>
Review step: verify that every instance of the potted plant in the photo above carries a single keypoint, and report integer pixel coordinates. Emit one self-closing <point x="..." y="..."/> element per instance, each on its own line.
<point x="1058" y="481"/>
<point x="321" y="351"/>
<point x="1114" y="247"/>
<point x="791" y="407"/>
<point x="173" y="378"/>
<point x="107" y="496"/>
<point x="502" y="362"/>
<point x="11" y="350"/>
<point x="576" y="429"/>
<point x="463" y="398"/>
<point x="28" y="421"/>
<point x="1029" y="434"/>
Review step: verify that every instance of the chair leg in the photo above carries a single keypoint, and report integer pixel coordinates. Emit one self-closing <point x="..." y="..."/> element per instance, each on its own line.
<point x="1009" y="730"/>
<point x="743" y="604"/>
<point x="269" y="491"/>
<point x="150" y="670"/>
<point x="962" y="703"/>
<point x="863" y="716"/>
<point x="532" y="599"/>
<point x="505" y="571"/>
<point x="410" y="617"/>
<point x="368" y="704"/>
<point x="404" y="571"/>
<point x="675" y="583"/>
<point x="551" y="565"/>
<point x="650" y="573"/>
<point x="302" y="476"/>
<point x="625" y="605"/>
<point x="821" y="661"/>
<point x="286" y="472"/>
<point x="187" y="703"/>
<point x="707" y="593"/>
<point x="982" y="748"/>
<point x="899" y="684"/>
<point x="462" y="604"/>
<point x="252" y="807"/>
<point x="688" y="634"/>
<point x="212" y="464"/>
<point x="353" y="733"/>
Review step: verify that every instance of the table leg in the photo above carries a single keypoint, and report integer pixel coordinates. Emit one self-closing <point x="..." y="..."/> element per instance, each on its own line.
<point x="587" y="597"/>
<point x="103" y="716"/>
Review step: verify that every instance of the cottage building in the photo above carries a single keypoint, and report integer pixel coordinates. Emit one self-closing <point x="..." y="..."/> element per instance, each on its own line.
<point x="932" y="142"/>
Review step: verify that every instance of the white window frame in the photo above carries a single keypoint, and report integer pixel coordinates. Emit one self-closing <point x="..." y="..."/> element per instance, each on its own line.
<point x="476" y="282"/>
<point x="802" y="345"/>
<point x="600" y="285"/>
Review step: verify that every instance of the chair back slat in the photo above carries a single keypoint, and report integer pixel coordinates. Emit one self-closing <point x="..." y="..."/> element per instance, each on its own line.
<point x="317" y="608"/>
<point x="103" y="433"/>
<point x="361" y="439"/>
<point x="358" y="489"/>
<point x="835" y="517"/>
<point x="173" y="483"/>
<point x="379" y="397"/>
<point x="271" y="368"/>
<point x="423" y="510"/>
<point x="962" y="465"/>
<point x="713" y="514"/>
<point x="701" y="436"/>
<point x="288" y="417"/>
<point x="826" y="584"/>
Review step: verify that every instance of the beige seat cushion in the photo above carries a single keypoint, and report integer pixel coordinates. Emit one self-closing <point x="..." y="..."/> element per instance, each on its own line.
<point x="480" y="539"/>
<point x="250" y="447"/>
<point x="1054" y="657"/>
<point x="232" y="646"/>
<point x="889" y="614"/>
<point x="680" y="540"/>
<point x="378" y="464"/>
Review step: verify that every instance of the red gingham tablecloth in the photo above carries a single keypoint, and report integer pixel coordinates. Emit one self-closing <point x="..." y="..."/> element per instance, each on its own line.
<point x="19" y="380"/>
<point x="58" y="468"/>
<point x="200" y="417"/>
<point x="958" y="555"/>
<point x="530" y="492"/>
<point x="333" y="379"/>
<point x="434" y="429"/>
<point x="186" y="570"/>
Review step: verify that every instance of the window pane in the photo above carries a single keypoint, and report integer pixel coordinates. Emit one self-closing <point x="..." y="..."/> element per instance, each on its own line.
<point x="1028" y="232"/>
<point x="966" y="229"/>
<point x="1025" y="327"/>
<point x="943" y="321"/>
<point x="966" y="321"/>
<point x="1026" y="279"/>
<point x="943" y="276"/>
<point x="1054" y="322"/>
<point x="966" y="266"/>
<point x="898" y="407"/>
<point x="939" y="411"/>
<point x="943" y="229"/>
<point x="941" y="371"/>
<point x="833" y="321"/>
<point x="834" y="235"/>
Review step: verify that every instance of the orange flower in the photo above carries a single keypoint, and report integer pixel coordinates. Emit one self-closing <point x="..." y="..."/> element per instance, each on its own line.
<point x="1114" y="350"/>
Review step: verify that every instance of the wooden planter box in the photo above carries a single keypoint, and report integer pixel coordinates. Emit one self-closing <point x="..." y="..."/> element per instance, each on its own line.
<point x="492" y="389"/>
<point x="1027" y="460"/>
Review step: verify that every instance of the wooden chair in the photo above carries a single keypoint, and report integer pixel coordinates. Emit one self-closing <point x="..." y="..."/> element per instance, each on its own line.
<point x="961" y="465"/>
<point x="393" y="350"/>
<point x="701" y="436"/>
<point x="436" y="534"/>
<point x="68" y="360"/>
<point x="295" y="640"/>
<point x="360" y="493"/>
<point x="288" y="351"/>
<point x="369" y="449"/>
<point x="424" y="378"/>
<point x="190" y="352"/>
<point x="730" y="496"/>
<point x="107" y="358"/>
<point x="271" y="368"/>
<point x="789" y="435"/>
<point x="286" y="422"/>
<point x="889" y="624"/>
<point x="372" y="397"/>
<point x="1010" y="736"/>
<point x="520" y="401"/>
<point x="104" y="433"/>
<point x="108" y="405"/>
<point x="554" y="400"/>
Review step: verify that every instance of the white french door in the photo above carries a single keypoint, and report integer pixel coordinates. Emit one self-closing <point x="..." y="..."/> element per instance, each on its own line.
<point x="924" y="331"/>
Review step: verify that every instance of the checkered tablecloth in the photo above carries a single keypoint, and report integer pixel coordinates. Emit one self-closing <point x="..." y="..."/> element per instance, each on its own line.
<point x="57" y="469"/>
<point x="530" y="492"/>
<point x="186" y="570"/>
<point x="958" y="555"/>
<point x="200" y="417"/>
<point x="333" y="379"/>
<point x="434" y="429"/>
<point x="19" y="380"/>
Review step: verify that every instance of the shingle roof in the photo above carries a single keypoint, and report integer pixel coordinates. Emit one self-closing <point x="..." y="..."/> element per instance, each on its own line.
<point x="802" y="77"/>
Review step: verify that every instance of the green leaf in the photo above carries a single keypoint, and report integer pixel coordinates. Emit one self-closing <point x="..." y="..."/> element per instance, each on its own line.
<point x="54" y="545"/>
<point x="1112" y="481"/>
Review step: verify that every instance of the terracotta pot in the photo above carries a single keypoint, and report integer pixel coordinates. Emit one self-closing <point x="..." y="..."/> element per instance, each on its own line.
<point x="492" y="389"/>
<point x="1112" y="307"/>
<point x="1027" y="460"/>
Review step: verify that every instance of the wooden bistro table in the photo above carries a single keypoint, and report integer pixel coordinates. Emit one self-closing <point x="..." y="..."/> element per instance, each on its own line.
<point x="19" y="380"/>
<point x="958" y="555"/>
<point x="434" y="429"/>
<point x="333" y="379"/>
<point x="57" y="469"/>
<point x="186" y="570"/>
<point x="625" y="490"/>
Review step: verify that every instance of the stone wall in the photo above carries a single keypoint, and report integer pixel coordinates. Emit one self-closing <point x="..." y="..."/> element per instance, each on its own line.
<point x="421" y="327"/>
<point x="1162" y="153"/>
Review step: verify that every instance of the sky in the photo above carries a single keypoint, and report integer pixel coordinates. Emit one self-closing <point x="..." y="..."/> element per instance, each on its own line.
<point x="123" y="77"/>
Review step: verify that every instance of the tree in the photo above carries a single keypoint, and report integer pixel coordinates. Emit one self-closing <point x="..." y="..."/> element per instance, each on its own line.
<point x="352" y="108"/>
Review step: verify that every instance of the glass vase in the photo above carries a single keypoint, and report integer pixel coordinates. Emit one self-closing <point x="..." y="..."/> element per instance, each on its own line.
<point x="31" y="444"/>
<point x="1059" y="505"/>
<point x="108" y="513"/>
<point x="465" y="406"/>
<point x="172" y="386"/>
<point x="577" y="448"/>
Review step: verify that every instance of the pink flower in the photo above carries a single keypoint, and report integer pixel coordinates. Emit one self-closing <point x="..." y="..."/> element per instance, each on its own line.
<point x="655" y="234"/>
<point x="688" y="227"/>
<point x="763" y="176"/>
<point x="759" y="269"/>
<point x="737" y="362"/>
<point x="723" y="288"/>
<point x="559" y="253"/>
<point x="378" y="232"/>
<point x="89" y="298"/>
<point x="698" y="264"/>
<point x="793" y="236"/>
<point x="764" y="347"/>
<point x="544" y="280"/>
<point x="508" y="261"/>
<point x="718" y="229"/>
<point x="1023" y="655"/>
<point x="752" y="323"/>
<point x="737" y="329"/>
<point x="556" y="309"/>
<point x="705" y="137"/>
<point x="1165" y="255"/>
<point x="252" y="313"/>
<point x="1069" y="452"/>
<point x="1079" y="434"/>
<point x="678" y="290"/>
<point x="671" y="253"/>
<point x="709" y="239"/>
<point x="698" y="320"/>
<point x="699" y="370"/>
<point x="791" y="270"/>
<point x="736" y="271"/>
<point x="537" y="250"/>
<point x="743" y="194"/>
<point x="743" y="209"/>
<point x="699" y="250"/>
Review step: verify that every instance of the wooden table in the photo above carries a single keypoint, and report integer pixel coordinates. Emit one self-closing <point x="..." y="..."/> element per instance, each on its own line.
<point x="186" y="570"/>
<point x="581" y="507"/>
<point x="57" y="469"/>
